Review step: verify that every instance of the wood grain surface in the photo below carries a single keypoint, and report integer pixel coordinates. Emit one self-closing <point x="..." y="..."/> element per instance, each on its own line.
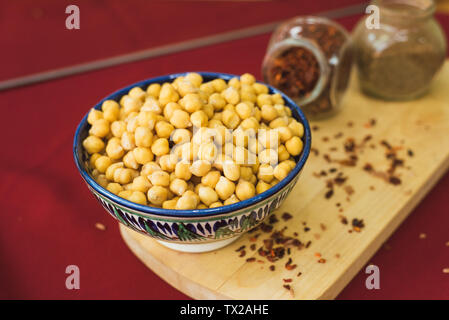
<point x="418" y="132"/>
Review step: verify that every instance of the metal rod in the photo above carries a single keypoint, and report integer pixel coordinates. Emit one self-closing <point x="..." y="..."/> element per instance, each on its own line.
<point x="162" y="50"/>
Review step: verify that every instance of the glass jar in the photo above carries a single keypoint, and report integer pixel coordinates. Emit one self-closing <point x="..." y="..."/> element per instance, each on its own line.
<point x="399" y="59"/>
<point x="309" y="59"/>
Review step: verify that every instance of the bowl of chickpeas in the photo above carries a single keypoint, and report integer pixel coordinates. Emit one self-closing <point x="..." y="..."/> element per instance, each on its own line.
<point x="195" y="159"/>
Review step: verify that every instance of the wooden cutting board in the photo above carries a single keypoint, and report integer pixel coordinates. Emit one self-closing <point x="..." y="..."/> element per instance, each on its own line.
<point x="418" y="130"/>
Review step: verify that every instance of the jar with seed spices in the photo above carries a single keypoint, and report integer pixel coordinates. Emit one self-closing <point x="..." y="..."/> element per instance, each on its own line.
<point x="398" y="58"/>
<point x="309" y="59"/>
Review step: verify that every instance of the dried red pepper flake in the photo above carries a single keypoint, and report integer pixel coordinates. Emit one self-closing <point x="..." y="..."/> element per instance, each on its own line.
<point x="266" y="228"/>
<point x="242" y="253"/>
<point x="253" y="246"/>
<point x="288" y="280"/>
<point x="251" y="259"/>
<point x="286" y="216"/>
<point x="306" y="229"/>
<point x="315" y="128"/>
<point x="358" y="223"/>
<point x="329" y="193"/>
<point x="308" y="244"/>
<point x="299" y="274"/>
<point x="322" y="260"/>
<point x="240" y="248"/>
<point x="323" y="227"/>
<point x="272" y="219"/>
<point x="410" y="153"/>
<point x="286" y="286"/>
<point x="272" y="268"/>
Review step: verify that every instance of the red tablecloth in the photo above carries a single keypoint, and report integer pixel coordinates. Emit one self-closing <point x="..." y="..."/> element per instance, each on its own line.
<point x="48" y="216"/>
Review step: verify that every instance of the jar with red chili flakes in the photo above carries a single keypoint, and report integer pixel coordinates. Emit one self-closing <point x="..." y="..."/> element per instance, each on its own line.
<point x="309" y="59"/>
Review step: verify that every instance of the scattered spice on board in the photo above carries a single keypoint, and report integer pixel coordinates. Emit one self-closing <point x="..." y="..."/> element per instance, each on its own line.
<point x="251" y="259"/>
<point x="329" y="193"/>
<point x="299" y="274"/>
<point x="289" y="265"/>
<point x="343" y="219"/>
<point x="287" y="280"/>
<point x="357" y="224"/>
<point x="272" y="268"/>
<point x="253" y="246"/>
<point x="100" y="226"/>
<point x="322" y="260"/>
<point x="242" y="253"/>
<point x="337" y="255"/>
<point x="286" y="216"/>
<point x="323" y="226"/>
<point x="410" y="153"/>
<point x="240" y="248"/>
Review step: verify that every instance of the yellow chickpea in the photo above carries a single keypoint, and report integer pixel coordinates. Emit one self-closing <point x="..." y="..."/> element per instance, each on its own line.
<point x="217" y="101"/>
<point x="207" y="151"/>
<point x="170" y="204"/>
<point x="147" y="119"/>
<point x="93" y="158"/>
<point x="157" y="195"/>
<point x="137" y="93"/>
<point x="138" y="197"/>
<point x="269" y="139"/>
<point x="191" y="102"/>
<point x="185" y="87"/>
<point x="160" y="147"/>
<point x="265" y="173"/>
<point x="141" y="183"/>
<point x="245" y="190"/>
<point x="246" y="173"/>
<point x="284" y="133"/>
<point x="93" y="144"/>
<point x="188" y="201"/>
<point x="269" y="156"/>
<point x="268" y="113"/>
<point x="297" y="128"/>
<point x="231" y="95"/>
<point x="154" y="89"/>
<point x="102" y="163"/>
<point x="207" y="195"/>
<point x="224" y="188"/>
<point x="200" y="168"/>
<point x="279" y="122"/>
<point x="181" y="136"/>
<point x="159" y="178"/>
<point x="244" y="110"/>
<point x="143" y="155"/>
<point x="152" y="105"/>
<point x="247" y="78"/>
<point x="281" y="171"/>
<point x="114" y="187"/>
<point x="260" y="88"/>
<point x="262" y="186"/>
<point x="143" y="137"/>
<point x="216" y="204"/>
<point x="231" y="170"/>
<point x="131" y="105"/>
<point x="149" y="168"/>
<point x="94" y="115"/>
<point x="283" y="153"/>
<point x="111" y="110"/>
<point x="123" y="175"/>
<point x="277" y="98"/>
<point x="178" y="186"/>
<point x="230" y="119"/>
<point x="180" y="119"/>
<point x="294" y="146"/>
<point x="195" y="78"/>
<point x="250" y="123"/>
<point x="168" y="94"/>
<point x="164" y="129"/>
<point x="211" y="178"/>
<point x="168" y="162"/>
<point x="100" y="128"/>
<point x="125" y="194"/>
<point x="219" y="85"/>
<point x="263" y="99"/>
<point x="182" y="170"/>
<point x="118" y="128"/>
<point x="199" y="119"/>
<point x="231" y="200"/>
<point x="128" y="141"/>
<point x="111" y="169"/>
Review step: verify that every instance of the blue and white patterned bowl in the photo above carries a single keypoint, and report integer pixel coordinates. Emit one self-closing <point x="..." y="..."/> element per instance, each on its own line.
<point x="192" y="230"/>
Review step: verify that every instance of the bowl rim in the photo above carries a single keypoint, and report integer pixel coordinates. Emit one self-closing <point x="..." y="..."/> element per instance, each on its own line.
<point x="197" y="213"/>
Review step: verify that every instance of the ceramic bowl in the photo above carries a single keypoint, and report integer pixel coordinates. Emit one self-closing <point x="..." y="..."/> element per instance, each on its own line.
<point x="192" y="230"/>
